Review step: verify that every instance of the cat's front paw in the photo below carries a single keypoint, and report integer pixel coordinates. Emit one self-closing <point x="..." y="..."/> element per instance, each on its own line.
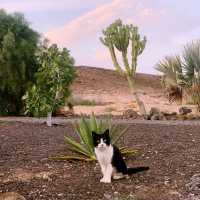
<point x="103" y="180"/>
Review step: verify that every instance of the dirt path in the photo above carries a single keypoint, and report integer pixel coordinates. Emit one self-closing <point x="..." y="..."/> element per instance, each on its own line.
<point x="171" y="152"/>
<point x="63" y="121"/>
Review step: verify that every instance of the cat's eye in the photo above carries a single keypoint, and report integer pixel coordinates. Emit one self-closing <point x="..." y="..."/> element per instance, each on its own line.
<point x="98" y="141"/>
<point x="104" y="140"/>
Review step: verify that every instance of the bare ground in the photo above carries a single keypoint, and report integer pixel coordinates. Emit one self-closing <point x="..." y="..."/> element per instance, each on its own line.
<point x="171" y="151"/>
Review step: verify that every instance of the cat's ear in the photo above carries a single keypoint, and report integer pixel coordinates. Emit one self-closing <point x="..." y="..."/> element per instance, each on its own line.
<point x="106" y="132"/>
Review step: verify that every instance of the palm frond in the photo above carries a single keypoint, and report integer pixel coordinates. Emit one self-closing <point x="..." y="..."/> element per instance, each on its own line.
<point x="171" y="69"/>
<point x="75" y="146"/>
<point x="191" y="67"/>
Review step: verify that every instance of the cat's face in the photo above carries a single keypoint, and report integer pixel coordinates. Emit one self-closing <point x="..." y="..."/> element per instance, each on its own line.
<point x="101" y="141"/>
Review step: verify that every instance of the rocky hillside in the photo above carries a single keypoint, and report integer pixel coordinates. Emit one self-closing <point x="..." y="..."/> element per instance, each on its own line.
<point x="109" y="92"/>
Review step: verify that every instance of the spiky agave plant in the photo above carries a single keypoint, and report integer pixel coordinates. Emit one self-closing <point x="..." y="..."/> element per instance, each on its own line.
<point x="84" y="148"/>
<point x="171" y="69"/>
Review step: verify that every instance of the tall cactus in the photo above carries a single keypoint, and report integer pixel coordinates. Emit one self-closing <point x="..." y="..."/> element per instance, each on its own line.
<point x="119" y="36"/>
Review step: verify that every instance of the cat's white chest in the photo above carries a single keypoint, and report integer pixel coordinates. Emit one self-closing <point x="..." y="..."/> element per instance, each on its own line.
<point x="104" y="157"/>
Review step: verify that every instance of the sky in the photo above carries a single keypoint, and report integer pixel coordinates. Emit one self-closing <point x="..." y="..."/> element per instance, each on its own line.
<point x="78" y="24"/>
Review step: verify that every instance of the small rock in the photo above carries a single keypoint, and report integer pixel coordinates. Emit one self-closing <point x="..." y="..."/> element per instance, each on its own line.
<point x="155" y="117"/>
<point x="147" y="117"/>
<point x="60" y="194"/>
<point x="154" y="111"/>
<point x="156" y="114"/>
<point x="192" y="117"/>
<point x="107" y="196"/>
<point x="44" y="176"/>
<point x="169" y="116"/>
<point x="158" y="117"/>
<point x="184" y="110"/>
<point x="130" y="113"/>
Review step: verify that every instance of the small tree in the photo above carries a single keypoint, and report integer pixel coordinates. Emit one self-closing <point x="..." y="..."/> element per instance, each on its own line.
<point x="118" y="36"/>
<point x="55" y="75"/>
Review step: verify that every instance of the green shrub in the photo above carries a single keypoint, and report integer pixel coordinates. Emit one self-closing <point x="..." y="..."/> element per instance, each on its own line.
<point x="53" y="79"/>
<point x="84" y="148"/>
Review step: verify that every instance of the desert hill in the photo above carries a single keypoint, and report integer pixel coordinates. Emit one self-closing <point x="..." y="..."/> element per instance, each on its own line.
<point x="108" y="92"/>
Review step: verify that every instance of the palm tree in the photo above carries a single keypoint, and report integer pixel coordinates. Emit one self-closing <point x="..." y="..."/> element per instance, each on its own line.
<point x="182" y="75"/>
<point x="191" y="68"/>
<point x="171" y="68"/>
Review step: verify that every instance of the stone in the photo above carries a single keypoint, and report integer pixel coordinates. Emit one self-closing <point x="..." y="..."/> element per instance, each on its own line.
<point x="159" y="116"/>
<point x="154" y="111"/>
<point x="184" y="110"/>
<point x="130" y="113"/>
<point x="170" y="115"/>
<point x="147" y="117"/>
<point x="155" y="117"/>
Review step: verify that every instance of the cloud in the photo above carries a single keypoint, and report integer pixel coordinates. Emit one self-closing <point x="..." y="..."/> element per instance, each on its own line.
<point x="38" y="5"/>
<point x="164" y="26"/>
<point x="91" y="22"/>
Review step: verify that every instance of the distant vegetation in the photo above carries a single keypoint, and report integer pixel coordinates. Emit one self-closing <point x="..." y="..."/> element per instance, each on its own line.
<point x="18" y="61"/>
<point x="77" y="101"/>
<point x="120" y="37"/>
<point x="31" y="69"/>
<point x="181" y="74"/>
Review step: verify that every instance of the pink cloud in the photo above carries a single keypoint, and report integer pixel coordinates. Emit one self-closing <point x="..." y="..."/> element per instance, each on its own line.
<point x="91" y="22"/>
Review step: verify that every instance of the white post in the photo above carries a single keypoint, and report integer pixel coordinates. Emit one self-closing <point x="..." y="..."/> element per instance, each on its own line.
<point x="49" y="119"/>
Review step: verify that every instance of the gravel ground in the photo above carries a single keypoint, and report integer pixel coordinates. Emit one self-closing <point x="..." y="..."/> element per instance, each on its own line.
<point x="172" y="152"/>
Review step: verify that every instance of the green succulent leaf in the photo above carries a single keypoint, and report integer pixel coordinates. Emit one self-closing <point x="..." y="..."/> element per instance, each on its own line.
<point x="85" y="148"/>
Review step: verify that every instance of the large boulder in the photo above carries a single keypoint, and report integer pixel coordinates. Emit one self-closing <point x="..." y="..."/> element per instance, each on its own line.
<point x="155" y="114"/>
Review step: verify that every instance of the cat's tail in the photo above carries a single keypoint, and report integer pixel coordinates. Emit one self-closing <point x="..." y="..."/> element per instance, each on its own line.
<point x="136" y="169"/>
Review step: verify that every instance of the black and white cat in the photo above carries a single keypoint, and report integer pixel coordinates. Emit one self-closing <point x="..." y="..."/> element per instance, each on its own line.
<point x="110" y="159"/>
